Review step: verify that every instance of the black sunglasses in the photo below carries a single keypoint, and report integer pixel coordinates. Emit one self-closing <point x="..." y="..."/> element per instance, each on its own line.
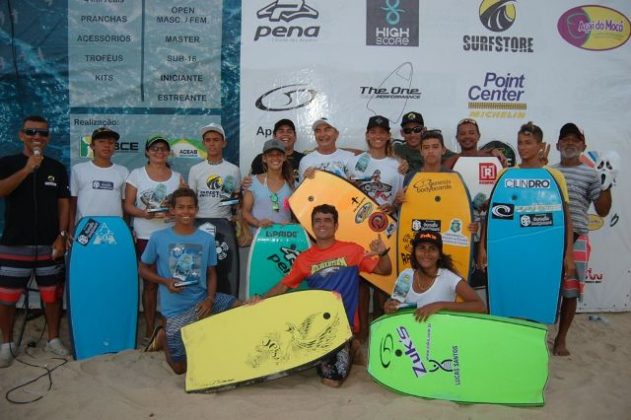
<point x="415" y="130"/>
<point x="35" y="131"/>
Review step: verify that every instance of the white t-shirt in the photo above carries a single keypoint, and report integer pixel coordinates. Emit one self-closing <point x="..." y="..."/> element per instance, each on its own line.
<point x="99" y="191"/>
<point x="151" y="194"/>
<point x="443" y="289"/>
<point x="336" y="163"/>
<point x="213" y="183"/>
<point x="378" y="178"/>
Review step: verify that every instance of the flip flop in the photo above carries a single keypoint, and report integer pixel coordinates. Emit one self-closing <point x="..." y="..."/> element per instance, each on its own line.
<point x="153" y="342"/>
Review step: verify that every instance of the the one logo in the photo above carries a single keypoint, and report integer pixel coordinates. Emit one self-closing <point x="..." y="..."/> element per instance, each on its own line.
<point x="286" y="97"/>
<point x="498" y="95"/>
<point x="287" y="11"/>
<point x="392" y="23"/>
<point x="502" y="211"/>
<point x="527" y="183"/>
<point x="390" y="97"/>
<point x="497" y="15"/>
<point x="595" y="28"/>
<point x="536" y="220"/>
<point x="487" y="173"/>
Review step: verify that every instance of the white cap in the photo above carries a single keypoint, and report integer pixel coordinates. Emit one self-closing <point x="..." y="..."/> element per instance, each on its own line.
<point x="322" y="120"/>
<point x="212" y="127"/>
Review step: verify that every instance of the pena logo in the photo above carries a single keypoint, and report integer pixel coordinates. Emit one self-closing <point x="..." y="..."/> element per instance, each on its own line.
<point x="287" y="11"/>
<point x="85" y="151"/>
<point x="497" y="15"/>
<point x="594" y="28"/>
<point x="187" y="148"/>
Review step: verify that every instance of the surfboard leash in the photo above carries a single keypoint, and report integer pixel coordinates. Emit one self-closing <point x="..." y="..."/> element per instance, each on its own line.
<point x="47" y="374"/>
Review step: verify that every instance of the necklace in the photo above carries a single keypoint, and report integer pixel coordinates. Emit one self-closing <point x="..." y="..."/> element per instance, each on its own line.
<point x="424" y="286"/>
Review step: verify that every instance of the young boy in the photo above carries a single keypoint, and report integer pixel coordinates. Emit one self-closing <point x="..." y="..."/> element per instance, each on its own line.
<point x="181" y="260"/>
<point x="96" y="186"/>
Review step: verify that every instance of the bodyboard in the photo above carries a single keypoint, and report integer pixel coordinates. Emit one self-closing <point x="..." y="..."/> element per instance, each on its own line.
<point x="439" y="202"/>
<point x="360" y="219"/>
<point x="525" y="245"/>
<point x="102" y="288"/>
<point x="272" y="254"/>
<point x="227" y="253"/>
<point x="470" y="358"/>
<point x="253" y="343"/>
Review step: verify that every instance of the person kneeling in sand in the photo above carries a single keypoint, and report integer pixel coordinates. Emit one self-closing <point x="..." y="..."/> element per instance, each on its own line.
<point x="434" y="283"/>
<point x="181" y="260"/>
<point x="334" y="265"/>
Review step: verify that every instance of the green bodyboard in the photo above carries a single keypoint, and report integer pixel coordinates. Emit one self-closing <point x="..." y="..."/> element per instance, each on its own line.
<point x="272" y="254"/>
<point x="470" y="358"/>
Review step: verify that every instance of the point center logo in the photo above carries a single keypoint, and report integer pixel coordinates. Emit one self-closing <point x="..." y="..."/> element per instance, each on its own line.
<point x="497" y="15"/>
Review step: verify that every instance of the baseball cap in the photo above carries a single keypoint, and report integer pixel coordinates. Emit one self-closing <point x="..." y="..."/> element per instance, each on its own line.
<point x="273" y="144"/>
<point x="282" y="122"/>
<point x="105" y="133"/>
<point x="569" y="129"/>
<point x="378" y="121"/>
<point x="412" y="117"/>
<point x="428" y="236"/>
<point x="212" y="127"/>
<point x="323" y="120"/>
<point x="156" y="138"/>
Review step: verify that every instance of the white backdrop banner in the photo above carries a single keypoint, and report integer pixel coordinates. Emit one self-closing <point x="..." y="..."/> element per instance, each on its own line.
<point x="503" y="63"/>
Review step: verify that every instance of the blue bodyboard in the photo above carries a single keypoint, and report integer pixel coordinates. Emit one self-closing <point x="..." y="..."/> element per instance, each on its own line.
<point x="102" y="287"/>
<point x="525" y="245"/>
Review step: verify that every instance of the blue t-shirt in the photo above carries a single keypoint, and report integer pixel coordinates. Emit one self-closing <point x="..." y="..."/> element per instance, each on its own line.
<point x="182" y="257"/>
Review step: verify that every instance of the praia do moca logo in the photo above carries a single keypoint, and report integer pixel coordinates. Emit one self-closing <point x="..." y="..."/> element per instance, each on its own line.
<point x="497" y="16"/>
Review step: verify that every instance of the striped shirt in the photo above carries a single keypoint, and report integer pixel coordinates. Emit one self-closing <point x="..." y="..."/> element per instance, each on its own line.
<point x="583" y="186"/>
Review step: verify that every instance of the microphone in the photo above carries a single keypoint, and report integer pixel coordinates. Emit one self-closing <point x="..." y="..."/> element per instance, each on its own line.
<point x="37" y="151"/>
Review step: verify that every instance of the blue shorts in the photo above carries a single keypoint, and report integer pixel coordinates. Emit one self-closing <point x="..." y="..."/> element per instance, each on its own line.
<point x="175" y="345"/>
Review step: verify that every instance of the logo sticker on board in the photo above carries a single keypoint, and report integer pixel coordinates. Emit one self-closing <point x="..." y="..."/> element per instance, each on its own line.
<point x="88" y="231"/>
<point x="363" y="213"/>
<point x="536" y="220"/>
<point x="104" y="236"/>
<point x="503" y="211"/>
<point x="426" y="224"/>
<point x="487" y="173"/>
<point x="378" y="221"/>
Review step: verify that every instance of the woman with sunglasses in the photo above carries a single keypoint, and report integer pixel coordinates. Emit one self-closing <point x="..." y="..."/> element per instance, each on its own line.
<point x="147" y="193"/>
<point x="265" y="202"/>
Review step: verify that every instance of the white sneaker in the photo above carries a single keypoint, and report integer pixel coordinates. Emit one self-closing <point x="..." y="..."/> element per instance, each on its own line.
<point x="8" y="351"/>
<point x="56" y="347"/>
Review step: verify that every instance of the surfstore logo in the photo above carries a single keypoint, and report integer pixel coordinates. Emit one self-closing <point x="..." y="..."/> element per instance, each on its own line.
<point x="594" y="28"/>
<point x="498" y="95"/>
<point x="497" y="16"/>
<point x="286" y="97"/>
<point x="392" y="23"/>
<point x="287" y="11"/>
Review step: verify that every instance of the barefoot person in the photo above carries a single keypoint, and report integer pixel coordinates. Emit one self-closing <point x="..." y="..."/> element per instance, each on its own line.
<point x="334" y="265"/>
<point x="181" y="261"/>
<point x="584" y="188"/>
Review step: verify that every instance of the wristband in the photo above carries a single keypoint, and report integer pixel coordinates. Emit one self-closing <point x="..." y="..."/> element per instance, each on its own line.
<point x="384" y="252"/>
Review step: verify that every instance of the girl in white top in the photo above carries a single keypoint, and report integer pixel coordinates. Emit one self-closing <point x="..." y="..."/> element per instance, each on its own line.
<point x="432" y="283"/>
<point x="147" y="193"/>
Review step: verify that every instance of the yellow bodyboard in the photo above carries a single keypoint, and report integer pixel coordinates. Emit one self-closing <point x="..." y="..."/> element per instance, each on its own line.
<point x="360" y="219"/>
<point x="437" y="201"/>
<point x="252" y="343"/>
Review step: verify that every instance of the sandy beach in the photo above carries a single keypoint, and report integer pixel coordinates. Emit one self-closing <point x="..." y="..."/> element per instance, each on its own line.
<point x="594" y="382"/>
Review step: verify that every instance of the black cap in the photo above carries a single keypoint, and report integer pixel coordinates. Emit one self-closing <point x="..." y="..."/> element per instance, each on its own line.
<point x="273" y="144"/>
<point x="569" y="129"/>
<point x="284" y="121"/>
<point x="412" y="117"/>
<point x="156" y="138"/>
<point x="105" y="133"/>
<point x="378" y="121"/>
<point x="428" y="236"/>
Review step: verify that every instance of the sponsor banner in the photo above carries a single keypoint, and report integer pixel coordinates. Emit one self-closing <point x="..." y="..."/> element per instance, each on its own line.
<point x="392" y="23"/>
<point x="595" y="28"/>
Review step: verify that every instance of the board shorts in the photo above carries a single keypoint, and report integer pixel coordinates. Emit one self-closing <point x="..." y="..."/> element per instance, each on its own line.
<point x="18" y="263"/>
<point x="573" y="286"/>
<point x="337" y="365"/>
<point x="174" y="324"/>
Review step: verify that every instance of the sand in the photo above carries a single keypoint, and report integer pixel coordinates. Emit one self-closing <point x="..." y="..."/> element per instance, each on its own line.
<point x="594" y="382"/>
